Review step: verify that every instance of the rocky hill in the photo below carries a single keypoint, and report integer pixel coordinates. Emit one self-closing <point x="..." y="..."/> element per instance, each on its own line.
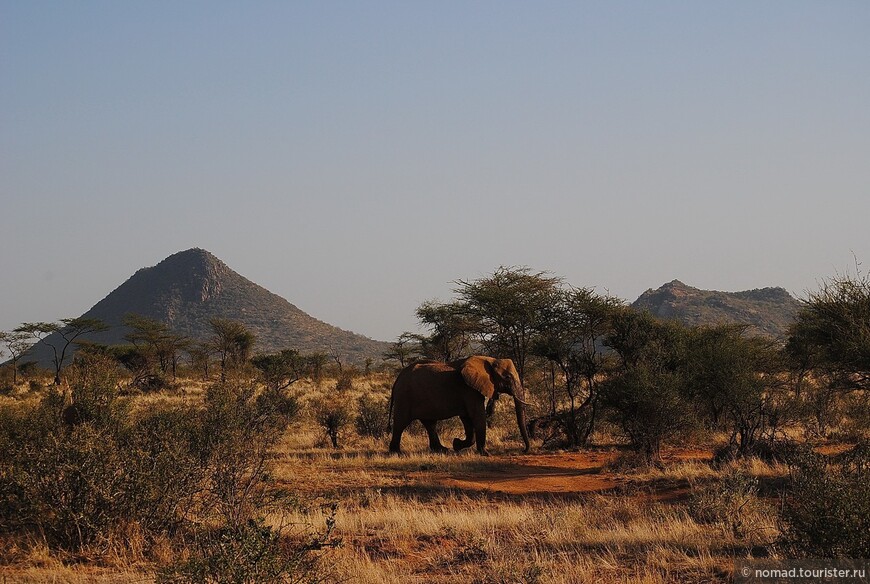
<point x="191" y="287"/>
<point x="767" y="311"/>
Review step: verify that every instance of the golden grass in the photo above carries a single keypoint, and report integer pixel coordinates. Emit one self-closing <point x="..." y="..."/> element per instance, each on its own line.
<point x="400" y="520"/>
<point x="458" y="539"/>
<point x="391" y="533"/>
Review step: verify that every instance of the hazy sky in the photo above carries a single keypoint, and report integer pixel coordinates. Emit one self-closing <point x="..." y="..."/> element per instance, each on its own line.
<point x="357" y="157"/>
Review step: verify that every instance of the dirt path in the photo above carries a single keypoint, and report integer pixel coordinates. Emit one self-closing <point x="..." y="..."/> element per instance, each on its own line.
<point x="540" y="474"/>
<point x="551" y="474"/>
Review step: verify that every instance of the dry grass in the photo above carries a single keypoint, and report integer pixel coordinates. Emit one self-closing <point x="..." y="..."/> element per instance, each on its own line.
<point x="391" y="538"/>
<point x="401" y="520"/>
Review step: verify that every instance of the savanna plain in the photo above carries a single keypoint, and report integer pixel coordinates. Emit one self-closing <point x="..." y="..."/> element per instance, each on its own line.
<point x="659" y="453"/>
<point x="588" y="515"/>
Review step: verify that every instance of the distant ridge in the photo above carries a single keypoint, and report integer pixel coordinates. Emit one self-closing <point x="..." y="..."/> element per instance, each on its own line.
<point x="766" y="311"/>
<point x="189" y="288"/>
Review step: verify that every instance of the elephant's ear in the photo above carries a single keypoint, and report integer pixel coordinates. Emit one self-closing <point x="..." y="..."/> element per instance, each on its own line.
<point x="475" y="372"/>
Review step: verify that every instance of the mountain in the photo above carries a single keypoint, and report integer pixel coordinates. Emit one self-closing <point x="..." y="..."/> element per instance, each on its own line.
<point x="191" y="287"/>
<point x="767" y="311"/>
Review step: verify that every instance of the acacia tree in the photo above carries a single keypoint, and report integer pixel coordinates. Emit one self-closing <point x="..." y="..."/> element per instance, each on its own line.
<point x="316" y="363"/>
<point x="232" y="342"/>
<point x="450" y="327"/>
<point x="829" y="344"/>
<point x="831" y="334"/>
<point x="570" y="337"/>
<point x="736" y="383"/>
<point x="507" y="310"/>
<point x="17" y="343"/>
<point x="405" y="349"/>
<point x="200" y="357"/>
<point x="718" y="365"/>
<point x="159" y="346"/>
<point x="280" y="370"/>
<point x="60" y="335"/>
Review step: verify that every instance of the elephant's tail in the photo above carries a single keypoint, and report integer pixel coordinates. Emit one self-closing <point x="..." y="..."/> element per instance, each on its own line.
<point x="390" y="415"/>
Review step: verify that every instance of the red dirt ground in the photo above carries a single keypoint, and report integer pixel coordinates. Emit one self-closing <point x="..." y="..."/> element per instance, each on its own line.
<point x="556" y="474"/>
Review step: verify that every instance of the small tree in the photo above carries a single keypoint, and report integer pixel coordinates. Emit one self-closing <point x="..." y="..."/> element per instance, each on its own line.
<point x="450" y="326"/>
<point x="647" y="406"/>
<point x="17" y="343"/>
<point x="829" y="345"/>
<point x="200" y="357"/>
<point x="60" y="335"/>
<point x="332" y="413"/>
<point x="280" y="370"/>
<point x="827" y="509"/>
<point x="832" y="332"/>
<point x="316" y="362"/>
<point x="571" y="333"/>
<point x="645" y="394"/>
<point x="372" y="413"/>
<point x="232" y="342"/>
<point x="403" y="350"/>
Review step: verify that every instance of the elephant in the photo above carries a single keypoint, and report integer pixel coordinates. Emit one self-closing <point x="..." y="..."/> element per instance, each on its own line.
<point x="433" y="390"/>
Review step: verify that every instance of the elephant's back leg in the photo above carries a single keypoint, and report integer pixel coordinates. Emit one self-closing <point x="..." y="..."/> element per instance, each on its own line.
<point x="399" y="426"/>
<point x="432" y="430"/>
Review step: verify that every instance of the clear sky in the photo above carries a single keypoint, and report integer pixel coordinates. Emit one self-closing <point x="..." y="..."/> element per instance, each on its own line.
<point x="357" y="157"/>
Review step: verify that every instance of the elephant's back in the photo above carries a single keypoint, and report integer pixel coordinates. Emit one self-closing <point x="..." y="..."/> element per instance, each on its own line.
<point x="426" y="371"/>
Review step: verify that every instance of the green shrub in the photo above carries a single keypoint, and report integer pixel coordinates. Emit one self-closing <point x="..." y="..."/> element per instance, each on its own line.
<point x="372" y="416"/>
<point x="79" y="486"/>
<point x="166" y="473"/>
<point x="731" y="502"/>
<point x="250" y="553"/>
<point x="239" y="429"/>
<point x="333" y="414"/>
<point x="827" y="509"/>
<point x="646" y="405"/>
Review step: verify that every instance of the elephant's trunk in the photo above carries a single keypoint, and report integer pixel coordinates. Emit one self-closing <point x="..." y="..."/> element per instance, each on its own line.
<point x="519" y="402"/>
<point x="521" y="422"/>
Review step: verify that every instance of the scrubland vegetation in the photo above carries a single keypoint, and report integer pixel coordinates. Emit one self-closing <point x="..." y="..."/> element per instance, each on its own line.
<point x="661" y="452"/>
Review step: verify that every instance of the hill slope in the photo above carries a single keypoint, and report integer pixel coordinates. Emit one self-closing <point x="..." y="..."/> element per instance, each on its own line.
<point x="767" y="311"/>
<point x="191" y="287"/>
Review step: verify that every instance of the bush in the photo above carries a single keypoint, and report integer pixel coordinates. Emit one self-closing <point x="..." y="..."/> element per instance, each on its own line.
<point x="345" y="382"/>
<point x="166" y="471"/>
<point x="249" y="554"/>
<point x="82" y="486"/>
<point x="857" y="411"/>
<point x="332" y="413"/>
<point x="771" y="451"/>
<point x="238" y="430"/>
<point x="372" y="416"/>
<point x="732" y="503"/>
<point x="73" y="487"/>
<point x="85" y="483"/>
<point x="79" y="486"/>
<point x="827" y="509"/>
<point x="647" y="406"/>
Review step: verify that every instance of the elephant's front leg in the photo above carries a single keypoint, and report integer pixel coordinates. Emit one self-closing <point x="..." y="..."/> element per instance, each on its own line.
<point x="469" y="435"/>
<point x="480" y="434"/>
<point x="434" y="442"/>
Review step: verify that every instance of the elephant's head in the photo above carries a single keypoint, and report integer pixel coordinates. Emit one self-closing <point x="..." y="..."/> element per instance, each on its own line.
<point x="492" y="377"/>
